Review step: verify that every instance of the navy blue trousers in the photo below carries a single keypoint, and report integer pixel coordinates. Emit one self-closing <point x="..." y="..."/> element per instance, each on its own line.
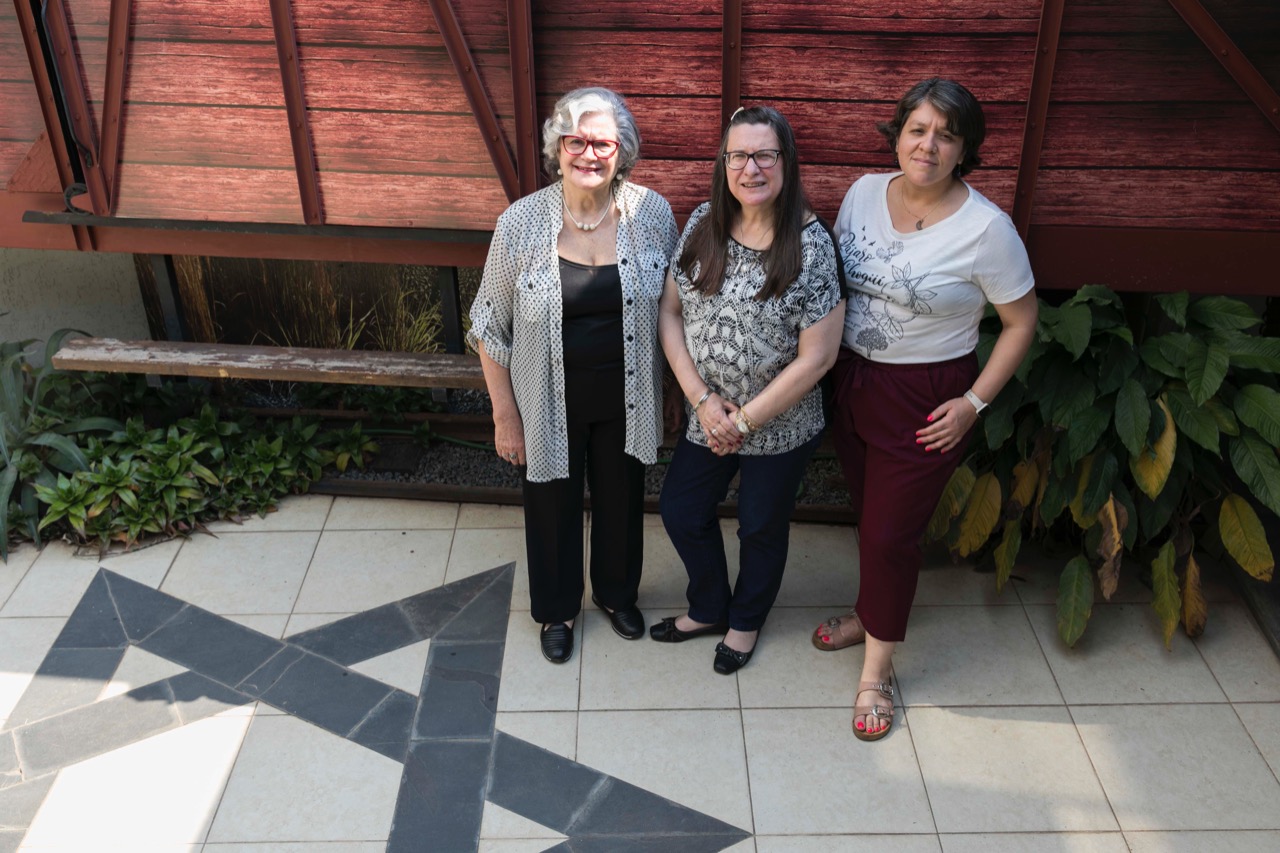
<point x="696" y="482"/>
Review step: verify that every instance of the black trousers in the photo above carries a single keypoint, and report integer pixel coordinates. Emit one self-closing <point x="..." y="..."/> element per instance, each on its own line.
<point x="553" y="511"/>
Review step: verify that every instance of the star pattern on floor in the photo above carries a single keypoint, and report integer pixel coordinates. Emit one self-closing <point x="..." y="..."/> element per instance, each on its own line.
<point x="445" y="737"/>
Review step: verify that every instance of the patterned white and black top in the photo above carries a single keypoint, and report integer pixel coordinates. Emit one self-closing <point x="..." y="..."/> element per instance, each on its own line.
<point x="740" y="343"/>
<point x="517" y="315"/>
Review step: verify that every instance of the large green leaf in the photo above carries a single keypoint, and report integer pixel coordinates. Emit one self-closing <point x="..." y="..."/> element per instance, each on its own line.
<point x="1255" y="462"/>
<point x="1206" y="368"/>
<point x="64" y="446"/>
<point x="1244" y="537"/>
<point x="1151" y="467"/>
<point x="1075" y="600"/>
<point x="1133" y="415"/>
<point x="1249" y="351"/>
<point x="8" y="478"/>
<point x="1117" y="365"/>
<point x="1259" y="407"/>
<point x="1154" y="356"/>
<point x="1085" y="430"/>
<point x="1222" y="312"/>
<point x="1227" y="422"/>
<point x="1076" y="394"/>
<point x="1073" y="328"/>
<point x="1102" y="478"/>
<point x="1196" y="422"/>
<point x="1175" y="305"/>
<point x="1168" y="598"/>
<point x="998" y="419"/>
<point x="1097" y="294"/>
<point x="1054" y="500"/>
<point x="1006" y="553"/>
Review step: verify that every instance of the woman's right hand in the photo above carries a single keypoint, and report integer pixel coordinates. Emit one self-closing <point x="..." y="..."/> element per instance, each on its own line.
<point x="716" y="417"/>
<point x="508" y="438"/>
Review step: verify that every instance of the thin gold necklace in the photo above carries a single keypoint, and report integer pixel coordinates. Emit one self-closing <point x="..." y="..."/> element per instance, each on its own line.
<point x="902" y="199"/>
<point x="581" y="225"/>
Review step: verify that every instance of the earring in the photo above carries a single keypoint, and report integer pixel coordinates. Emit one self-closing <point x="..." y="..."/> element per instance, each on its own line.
<point x="558" y="172"/>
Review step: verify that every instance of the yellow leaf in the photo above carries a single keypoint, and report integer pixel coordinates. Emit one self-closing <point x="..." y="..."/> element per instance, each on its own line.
<point x="1168" y="600"/>
<point x="1026" y="477"/>
<point x="1083" y="521"/>
<point x="1007" y="552"/>
<point x="1114" y="519"/>
<point x="1194" y="611"/>
<point x="952" y="501"/>
<point x="980" y="516"/>
<point x="1246" y="541"/>
<point x="1151" y="467"/>
<point x="1042" y="478"/>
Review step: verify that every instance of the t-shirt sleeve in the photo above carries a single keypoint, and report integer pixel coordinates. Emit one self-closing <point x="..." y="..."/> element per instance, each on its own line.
<point x="1001" y="269"/>
<point x="844" y="219"/>
<point x="819" y="278"/>
<point x="491" y="312"/>
<point x="677" y="273"/>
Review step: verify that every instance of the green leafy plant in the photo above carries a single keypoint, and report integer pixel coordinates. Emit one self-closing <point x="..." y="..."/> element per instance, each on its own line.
<point x="352" y="446"/>
<point x="1151" y="444"/>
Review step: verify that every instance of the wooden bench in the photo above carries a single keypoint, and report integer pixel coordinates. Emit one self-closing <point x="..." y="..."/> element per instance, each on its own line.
<point x="291" y="364"/>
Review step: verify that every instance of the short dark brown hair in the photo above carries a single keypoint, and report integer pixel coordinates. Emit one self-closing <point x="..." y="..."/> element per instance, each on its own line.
<point x="963" y="112"/>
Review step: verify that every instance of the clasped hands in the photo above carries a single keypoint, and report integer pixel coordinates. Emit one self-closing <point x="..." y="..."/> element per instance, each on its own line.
<point x="716" y="415"/>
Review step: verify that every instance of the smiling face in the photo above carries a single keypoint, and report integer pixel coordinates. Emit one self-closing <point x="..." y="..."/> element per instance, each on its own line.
<point x="586" y="171"/>
<point x="927" y="151"/>
<point x="753" y="187"/>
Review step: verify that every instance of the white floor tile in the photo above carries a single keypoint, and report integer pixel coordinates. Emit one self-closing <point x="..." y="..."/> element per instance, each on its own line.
<point x="390" y="514"/>
<point x="490" y="515"/>
<point x="271" y="624"/>
<point x="1122" y="658"/>
<point x="1239" y="656"/>
<point x="498" y="822"/>
<point x="1007" y="770"/>
<point x="404" y="668"/>
<point x="293" y="513"/>
<point x="476" y="551"/>
<point x="1263" y="725"/>
<point x="58" y="578"/>
<point x="804" y="765"/>
<point x="555" y="731"/>
<point x="160" y="791"/>
<point x="698" y="760"/>
<point x="788" y="672"/>
<point x="15" y="568"/>
<point x="822" y="567"/>
<point x="847" y="844"/>
<point x="1196" y="842"/>
<point x="300" y="847"/>
<point x="620" y="674"/>
<point x="148" y="564"/>
<point x="529" y="681"/>
<point x="356" y="570"/>
<point x="663" y="580"/>
<point x="1179" y="767"/>
<point x="944" y="583"/>
<point x="138" y="668"/>
<point x="23" y="646"/>
<point x="242" y="573"/>
<point x="509" y="845"/>
<point x="1037" y="575"/>
<point x="975" y="655"/>
<point x="1021" y="842"/>
<point x="296" y="782"/>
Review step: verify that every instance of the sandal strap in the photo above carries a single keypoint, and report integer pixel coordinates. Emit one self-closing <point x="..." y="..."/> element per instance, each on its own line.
<point x="884" y="688"/>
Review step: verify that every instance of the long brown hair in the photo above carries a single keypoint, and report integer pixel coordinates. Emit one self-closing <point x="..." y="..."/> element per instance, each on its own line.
<point x="707" y="248"/>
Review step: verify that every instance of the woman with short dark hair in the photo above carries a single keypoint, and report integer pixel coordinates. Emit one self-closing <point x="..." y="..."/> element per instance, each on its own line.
<point x="750" y="321"/>
<point x="565" y="322"/>
<point x="923" y="253"/>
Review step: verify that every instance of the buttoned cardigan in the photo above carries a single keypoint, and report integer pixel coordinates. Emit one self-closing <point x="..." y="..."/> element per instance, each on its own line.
<point x="518" y="316"/>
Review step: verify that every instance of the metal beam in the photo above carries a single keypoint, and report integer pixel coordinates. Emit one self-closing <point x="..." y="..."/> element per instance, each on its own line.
<point x="455" y="43"/>
<point x="1037" y="111"/>
<point x="304" y="158"/>
<point x="170" y="296"/>
<point x="1229" y="56"/>
<point x="451" y="310"/>
<point x="33" y="40"/>
<point x="524" y="94"/>
<point x="118" y="30"/>
<point x="731" y="61"/>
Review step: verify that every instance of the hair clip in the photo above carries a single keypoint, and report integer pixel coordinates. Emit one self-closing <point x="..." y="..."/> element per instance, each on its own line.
<point x="735" y="114"/>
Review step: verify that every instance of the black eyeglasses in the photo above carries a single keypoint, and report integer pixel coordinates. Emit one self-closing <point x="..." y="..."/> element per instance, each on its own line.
<point x="765" y="158"/>
<point x="576" y="145"/>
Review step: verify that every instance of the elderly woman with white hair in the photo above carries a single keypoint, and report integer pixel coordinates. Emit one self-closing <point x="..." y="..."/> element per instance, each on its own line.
<point x="565" y="322"/>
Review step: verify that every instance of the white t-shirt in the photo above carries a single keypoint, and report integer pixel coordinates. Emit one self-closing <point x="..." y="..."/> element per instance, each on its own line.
<point x="918" y="296"/>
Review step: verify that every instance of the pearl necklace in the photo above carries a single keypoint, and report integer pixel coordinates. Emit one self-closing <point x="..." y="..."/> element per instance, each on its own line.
<point x="902" y="199"/>
<point x="582" y="225"/>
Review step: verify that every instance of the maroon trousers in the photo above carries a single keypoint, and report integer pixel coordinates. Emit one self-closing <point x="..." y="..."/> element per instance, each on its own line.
<point x="894" y="484"/>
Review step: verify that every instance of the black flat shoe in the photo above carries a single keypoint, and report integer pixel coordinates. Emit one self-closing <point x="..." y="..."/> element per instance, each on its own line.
<point x="627" y="622"/>
<point x="667" y="632"/>
<point x="729" y="661"/>
<point x="557" y="642"/>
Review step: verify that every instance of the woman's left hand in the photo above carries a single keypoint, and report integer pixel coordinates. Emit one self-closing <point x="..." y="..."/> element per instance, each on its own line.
<point x="948" y="424"/>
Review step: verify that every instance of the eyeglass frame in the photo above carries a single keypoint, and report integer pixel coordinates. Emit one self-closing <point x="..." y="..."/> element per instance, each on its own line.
<point x="776" y="152"/>
<point x="590" y="143"/>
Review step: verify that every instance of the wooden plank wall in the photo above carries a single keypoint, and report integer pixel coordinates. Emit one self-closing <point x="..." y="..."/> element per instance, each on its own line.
<point x="20" y="120"/>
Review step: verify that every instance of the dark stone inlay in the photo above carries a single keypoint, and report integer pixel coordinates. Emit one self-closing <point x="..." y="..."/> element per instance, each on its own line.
<point x="196" y="697"/>
<point x="441" y="797"/>
<point x="91" y="730"/>
<point x="459" y="697"/>
<point x="430" y="611"/>
<point x="10" y="772"/>
<point x="94" y="624"/>
<point x="67" y="678"/>
<point x="211" y="645"/>
<point x="538" y="784"/>
<point x="331" y="696"/>
<point x="647" y="844"/>
<point x="19" y="804"/>
<point x="11" y="840"/>
<point x="386" y="729"/>
<point x="485" y="618"/>
<point x="141" y="609"/>
<point x="264" y="677"/>
<point x="621" y="808"/>
<point x="360" y="636"/>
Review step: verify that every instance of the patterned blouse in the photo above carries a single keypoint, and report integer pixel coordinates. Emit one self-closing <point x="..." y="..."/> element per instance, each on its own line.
<point x="739" y="343"/>
<point x="517" y="315"/>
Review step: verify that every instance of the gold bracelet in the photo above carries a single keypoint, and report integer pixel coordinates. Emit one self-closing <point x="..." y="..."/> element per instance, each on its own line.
<point x="751" y="424"/>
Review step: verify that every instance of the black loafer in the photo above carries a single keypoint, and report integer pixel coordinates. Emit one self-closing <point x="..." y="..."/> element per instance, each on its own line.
<point x="729" y="661"/>
<point x="557" y="642"/>
<point x="667" y="632"/>
<point x="627" y="622"/>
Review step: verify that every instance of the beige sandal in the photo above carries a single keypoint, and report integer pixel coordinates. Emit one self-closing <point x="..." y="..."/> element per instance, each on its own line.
<point x="875" y="709"/>
<point x="839" y="632"/>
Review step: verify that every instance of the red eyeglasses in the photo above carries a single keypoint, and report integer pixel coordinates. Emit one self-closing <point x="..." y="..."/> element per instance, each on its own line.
<point x="575" y="145"/>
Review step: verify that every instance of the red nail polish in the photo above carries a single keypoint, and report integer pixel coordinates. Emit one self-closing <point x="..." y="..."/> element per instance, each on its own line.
<point x="929" y="419"/>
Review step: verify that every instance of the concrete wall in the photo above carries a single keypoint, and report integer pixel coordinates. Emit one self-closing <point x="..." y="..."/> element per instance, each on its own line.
<point x="43" y="291"/>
